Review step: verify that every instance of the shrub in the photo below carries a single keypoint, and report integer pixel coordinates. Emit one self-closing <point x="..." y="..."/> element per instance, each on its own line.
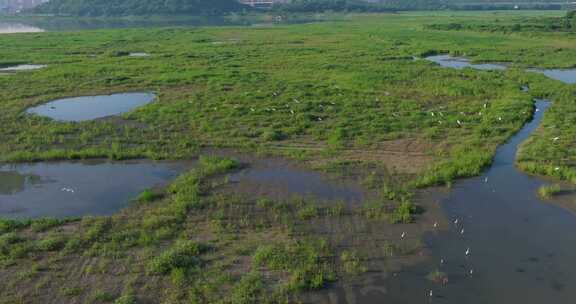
<point x="273" y="135"/>
<point x="248" y="289"/>
<point x="11" y="225"/>
<point x="351" y="263"/>
<point x="184" y="254"/>
<point x="126" y="299"/>
<point x="50" y="244"/>
<point x="147" y="196"/>
<point x="402" y="213"/>
<point x="44" y="224"/>
<point x="547" y="191"/>
<point x="302" y="260"/>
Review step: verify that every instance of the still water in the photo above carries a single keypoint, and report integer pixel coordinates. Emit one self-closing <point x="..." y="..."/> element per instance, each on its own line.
<point x="92" y="107"/>
<point x="15" y="28"/>
<point x="461" y="63"/>
<point x="22" y="67"/>
<point x="564" y="75"/>
<point x="63" y="189"/>
<point x="281" y="180"/>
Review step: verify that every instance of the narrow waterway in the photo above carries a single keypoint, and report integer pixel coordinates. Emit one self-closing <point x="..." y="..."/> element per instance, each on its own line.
<point x="502" y="244"/>
<point x="520" y="249"/>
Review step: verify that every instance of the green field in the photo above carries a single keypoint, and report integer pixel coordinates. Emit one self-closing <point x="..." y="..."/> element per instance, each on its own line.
<point x="341" y="95"/>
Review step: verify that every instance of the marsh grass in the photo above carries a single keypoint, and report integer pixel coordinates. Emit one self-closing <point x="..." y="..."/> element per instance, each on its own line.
<point x="548" y="191"/>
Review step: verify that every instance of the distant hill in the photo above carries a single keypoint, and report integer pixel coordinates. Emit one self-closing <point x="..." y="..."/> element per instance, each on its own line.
<point x="138" y="7"/>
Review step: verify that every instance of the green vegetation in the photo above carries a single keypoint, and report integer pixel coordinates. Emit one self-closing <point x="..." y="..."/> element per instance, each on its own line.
<point x="528" y="24"/>
<point x="138" y="7"/>
<point x="401" y="5"/>
<point x="547" y="191"/>
<point x="362" y="100"/>
<point x="214" y="7"/>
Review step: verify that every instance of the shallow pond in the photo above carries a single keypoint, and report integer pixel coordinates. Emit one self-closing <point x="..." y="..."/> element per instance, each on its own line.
<point x="15" y="27"/>
<point x="461" y="63"/>
<point x="564" y="75"/>
<point x="139" y="54"/>
<point x="281" y="180"/>
<point x="64" y="189"/>
<point x="91" y="107"/>
<point x="22" y="67"/>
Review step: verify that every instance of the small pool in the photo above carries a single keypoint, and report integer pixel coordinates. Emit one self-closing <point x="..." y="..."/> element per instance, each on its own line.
<point x="23" y="67"/>
<point x="15" y="28"/>
<point x="461" y="63"/>
<point x="139" y="54"/>
<point x="564" y="75"/>
<point x="280" y="180"/>
<point x="92" y="107"/>
<point x="64" y="189"/>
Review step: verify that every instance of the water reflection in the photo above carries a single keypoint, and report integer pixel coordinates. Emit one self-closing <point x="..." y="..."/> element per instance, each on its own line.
<point x="76" y="189"/>
<point x="14" y="28"/>
<point x="461" y="63"/>
<point x="22" y="67"/>
<point x="92" y="107"/>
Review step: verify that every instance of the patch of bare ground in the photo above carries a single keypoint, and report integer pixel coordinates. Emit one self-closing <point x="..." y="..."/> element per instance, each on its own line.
<point x="405" y="155"/>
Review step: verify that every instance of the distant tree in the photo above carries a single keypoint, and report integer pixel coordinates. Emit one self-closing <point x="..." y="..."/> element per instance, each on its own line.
<point x="139" y="7"/>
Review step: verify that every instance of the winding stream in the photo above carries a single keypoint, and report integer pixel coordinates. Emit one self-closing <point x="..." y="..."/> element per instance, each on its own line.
<point x="521" y="249"/>
<point x="503" y="244"/>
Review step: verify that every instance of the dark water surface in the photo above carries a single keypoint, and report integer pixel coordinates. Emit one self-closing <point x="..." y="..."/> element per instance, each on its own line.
<point x="565" y="75"/>
<point x="65" y="189"/>
<point x="461" y="63"/>
<point x="92" y="107"/>
<point x="277" y="177"/>
<point x="22" y="67"/>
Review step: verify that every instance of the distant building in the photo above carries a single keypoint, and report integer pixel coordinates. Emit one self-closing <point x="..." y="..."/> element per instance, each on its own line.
<point x="262" y="3"/>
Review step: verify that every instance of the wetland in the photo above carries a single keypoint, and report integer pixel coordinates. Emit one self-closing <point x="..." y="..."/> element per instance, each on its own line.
<point x="315" y="163"/>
